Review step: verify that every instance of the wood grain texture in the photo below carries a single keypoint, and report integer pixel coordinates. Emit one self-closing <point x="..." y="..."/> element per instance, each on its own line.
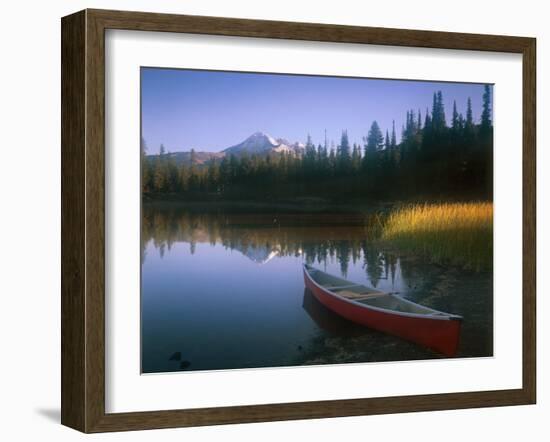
<point x="83" y="219"/>
<point x="73" y="256"/>
<point x="529" y="220"/>
<point x="144" y="21"/>
<point x="95" y="222"/>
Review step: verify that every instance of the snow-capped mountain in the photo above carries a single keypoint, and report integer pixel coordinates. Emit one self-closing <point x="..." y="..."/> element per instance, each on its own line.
<point x="296" y="147"/>
<point x="260" y="143"/>
<point x="259" y="254"/>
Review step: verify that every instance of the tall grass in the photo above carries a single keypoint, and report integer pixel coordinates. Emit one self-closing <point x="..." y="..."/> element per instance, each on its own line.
<point x="457" y="233"/>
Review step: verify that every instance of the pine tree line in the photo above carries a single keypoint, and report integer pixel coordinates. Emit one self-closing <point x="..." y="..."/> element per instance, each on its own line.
<point x="432" y="159"/>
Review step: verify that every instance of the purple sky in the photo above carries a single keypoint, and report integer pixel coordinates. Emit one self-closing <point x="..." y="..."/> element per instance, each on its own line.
<point x="209" y="111"/>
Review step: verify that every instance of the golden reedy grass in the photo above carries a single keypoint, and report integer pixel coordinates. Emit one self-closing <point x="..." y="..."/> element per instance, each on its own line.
<point x="459" y="233"/>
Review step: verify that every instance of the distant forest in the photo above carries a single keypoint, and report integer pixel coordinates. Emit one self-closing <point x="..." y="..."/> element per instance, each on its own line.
<point x="433" y="159"/>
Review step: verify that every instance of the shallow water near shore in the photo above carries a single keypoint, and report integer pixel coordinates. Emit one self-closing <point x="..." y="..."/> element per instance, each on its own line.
<point x="225" y="290"/>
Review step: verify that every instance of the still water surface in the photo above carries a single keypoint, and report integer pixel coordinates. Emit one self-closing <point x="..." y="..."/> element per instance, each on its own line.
<point x="225" y="290"/>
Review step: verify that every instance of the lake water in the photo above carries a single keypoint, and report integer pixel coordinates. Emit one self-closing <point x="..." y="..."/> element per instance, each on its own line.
<point x="224" y="290"/>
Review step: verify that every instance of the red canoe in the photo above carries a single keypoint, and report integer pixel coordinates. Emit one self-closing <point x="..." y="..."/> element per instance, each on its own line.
<point x="385" y="312"/>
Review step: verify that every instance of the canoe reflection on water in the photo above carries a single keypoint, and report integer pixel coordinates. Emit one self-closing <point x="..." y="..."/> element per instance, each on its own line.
<point x="329" y="321"/>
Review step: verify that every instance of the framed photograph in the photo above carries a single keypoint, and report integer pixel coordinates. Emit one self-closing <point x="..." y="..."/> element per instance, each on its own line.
<point x="270" y="220"/>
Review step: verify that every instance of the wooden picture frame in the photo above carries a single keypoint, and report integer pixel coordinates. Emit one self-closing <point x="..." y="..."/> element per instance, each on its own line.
<point x="83" y="219"/>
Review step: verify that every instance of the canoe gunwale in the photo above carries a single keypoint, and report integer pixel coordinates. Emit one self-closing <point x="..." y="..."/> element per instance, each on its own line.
<point x="442" y="316"/>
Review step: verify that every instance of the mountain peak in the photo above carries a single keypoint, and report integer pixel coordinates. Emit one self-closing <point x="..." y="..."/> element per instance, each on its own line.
<point x="259" y="134"/>
<point x="263" y="137"/>
<point x="258" y="143"/>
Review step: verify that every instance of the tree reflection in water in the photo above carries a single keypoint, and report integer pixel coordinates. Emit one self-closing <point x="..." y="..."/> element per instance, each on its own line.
<point x="318" y="237"/>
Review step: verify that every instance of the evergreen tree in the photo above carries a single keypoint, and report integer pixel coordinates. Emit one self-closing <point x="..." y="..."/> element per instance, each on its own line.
<point x="441" y="107"/>
<point x="374" y="142"/>
<point x="435" y="110"/>
<point x="344" y="151"/>
<point x="225" y="173"/>
<point x="427" y="122"/>
<point x="375" y="139"/>
<point x="454" y="124"/>
<point x="319" y="154"/>
<point x="356" y="157"/>
<point x="469" y="129"/>
<point x="486" y="122"/>
<point x="438" y="113"/>
<point x="461" y="124"/>
<point x="407" y="129"/>
<point x="194" y="179"/>
<point x="309" y="157"/>
<point x="183" y="178"/>
<point x="332" y="161"/>
<point x="233" y="166"/>
<point x="143" y="147"/>
<point x="469" y="115"/>
<point x="322" y="154"/>
<point x="172" y="180"/>
<point x="213" y="176"/>
<point x="159" y="171"/>
<point x="393" y="142"/>
<point x="146" y="172"/>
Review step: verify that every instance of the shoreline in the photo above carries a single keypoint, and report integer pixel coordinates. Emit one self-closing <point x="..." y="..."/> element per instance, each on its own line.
<point x="299" y="205"/>
<point x="302" y="205"/>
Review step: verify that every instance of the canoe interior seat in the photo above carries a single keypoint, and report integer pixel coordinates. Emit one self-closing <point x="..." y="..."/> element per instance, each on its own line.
<point x="341" y="287"/>
<point x="360" y="296"/>
<point x="397" y="304"/>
